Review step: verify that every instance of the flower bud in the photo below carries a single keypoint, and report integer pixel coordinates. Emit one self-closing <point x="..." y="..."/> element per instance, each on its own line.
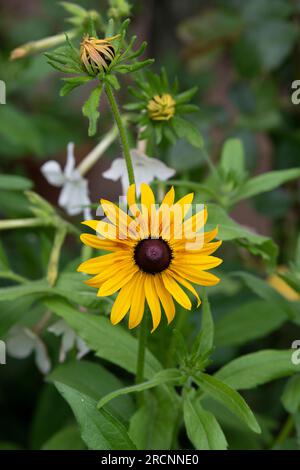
<point x="97" y="54"/>
<point x="161" y="107"/>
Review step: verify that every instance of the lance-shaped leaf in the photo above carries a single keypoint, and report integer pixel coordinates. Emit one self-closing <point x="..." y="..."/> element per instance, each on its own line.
<point x="266" y="182"/>
<point x="205" y="340"/>
<point x="202" y="427"/>
<point x="165" y="376"/>
<point x="112" y="343"/>
<point x="229" y="397"/>
<point x="187" y="130"/>
<point x="266" y="292"/>
<point x="291" y="395"/>
<point x="233" y="159"/>
<point x="257" y="368"/>
<point x="100" y="430"/>
<point x="152" y="426"/>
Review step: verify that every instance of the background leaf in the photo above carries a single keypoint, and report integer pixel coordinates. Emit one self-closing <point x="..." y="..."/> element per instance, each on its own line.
<point x="202" y="427"/>
<point x="99" y="429"/>
<point x="257" y="368"/>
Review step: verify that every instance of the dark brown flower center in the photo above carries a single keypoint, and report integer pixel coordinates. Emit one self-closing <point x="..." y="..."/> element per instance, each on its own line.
<point x="152" y="255"/>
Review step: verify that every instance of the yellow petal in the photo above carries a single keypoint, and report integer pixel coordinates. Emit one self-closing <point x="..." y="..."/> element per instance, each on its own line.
<point x="131" y="201"/>
<point x="147" y="197"/>
<point x="98" y="243"/>
<point x="125" y="224"/>
<point x="193" y="274"/>
<point x="152" y="300"/>
<point x="186" y="284"/>
<point x="95" y="265"/>
<point x="209" y="236"/>
<point x="207" y="249"/>
<point x="184" y="204"/>
<point x="122" y="302"/>
<point x="138" y="301"/>
<point x="173" y="216"/>
<point x="148" y="203"/>
<point x="119" y="280"/>
<point x="192" y="225"/>
<point x="176" y="291"/>
<point x="105" y="229"/>
<point x="196" y="243"/>
<point x="106" y="274"/>
<point x="169" y="198"/>
<point x="196" y="260"/>
<point x="165" y="298"/>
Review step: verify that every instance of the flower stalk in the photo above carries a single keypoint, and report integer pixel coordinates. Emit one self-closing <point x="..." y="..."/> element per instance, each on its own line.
<point x="91" y="159"/>
<point x="140" y="365"/>
<point x="22" y="223"/>
<point x="124" y="140"/>
<point x="59" y="238"/>
<point x="122" y="132"/>
<point x="41" y="45"/>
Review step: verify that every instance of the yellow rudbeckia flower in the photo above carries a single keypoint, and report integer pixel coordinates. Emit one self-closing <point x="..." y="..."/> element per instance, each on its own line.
<point x="154" y="253"/>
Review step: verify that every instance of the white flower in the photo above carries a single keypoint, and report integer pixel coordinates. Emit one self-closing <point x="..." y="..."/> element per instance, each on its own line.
<point x="69" y="340"/>
<point x="22" y="341"/>
<point x="146" y="169"/>
<point x="74" y="195"/>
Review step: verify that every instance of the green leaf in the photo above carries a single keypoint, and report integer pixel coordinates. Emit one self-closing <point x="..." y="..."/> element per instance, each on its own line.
<point x="162" y="377"/>
<point x="95" y="381"/>
<point x="113" y="81"/>
<point x="74" y="9"/>
<point x="109" y="342"/>
<point x="247" y="322"/>
<point x="272" y="41"/>
<point x="152" y="426"/>
<point x="186" y="129"/>
<point x="15" y="183"/>
<point x="90" y="109"/>
<point x="30" y="288"/>
<point x="73" y="82"/>
<point x="205" y="340"/>
<point x="44" y="423"/>
<point x="19" y="132"/>
<point x="266" y="292"/>
<point x="67" y="438"/>
<point x="229" y="229"/>
<point x="233" y="158"/>
<point x="202" y="427"/>
<point x="12" y="312"/>
<point x="186" y="96"/>
<point x="291" y="395"/>
<point x="231" y="399"/>
<point x="100" y="430"/>
<point x="257" y="368"/>
<point x="266" y="182"/>
<point x="70" y="285"/>
<point x="4" y="263"/>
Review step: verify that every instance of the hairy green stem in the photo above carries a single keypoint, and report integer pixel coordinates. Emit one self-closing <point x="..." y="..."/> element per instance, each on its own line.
<point x="122" y="132"/>
<point x="124" y="140"/>
<point x="142" y="350"/>
<point x="59" y="238"/>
